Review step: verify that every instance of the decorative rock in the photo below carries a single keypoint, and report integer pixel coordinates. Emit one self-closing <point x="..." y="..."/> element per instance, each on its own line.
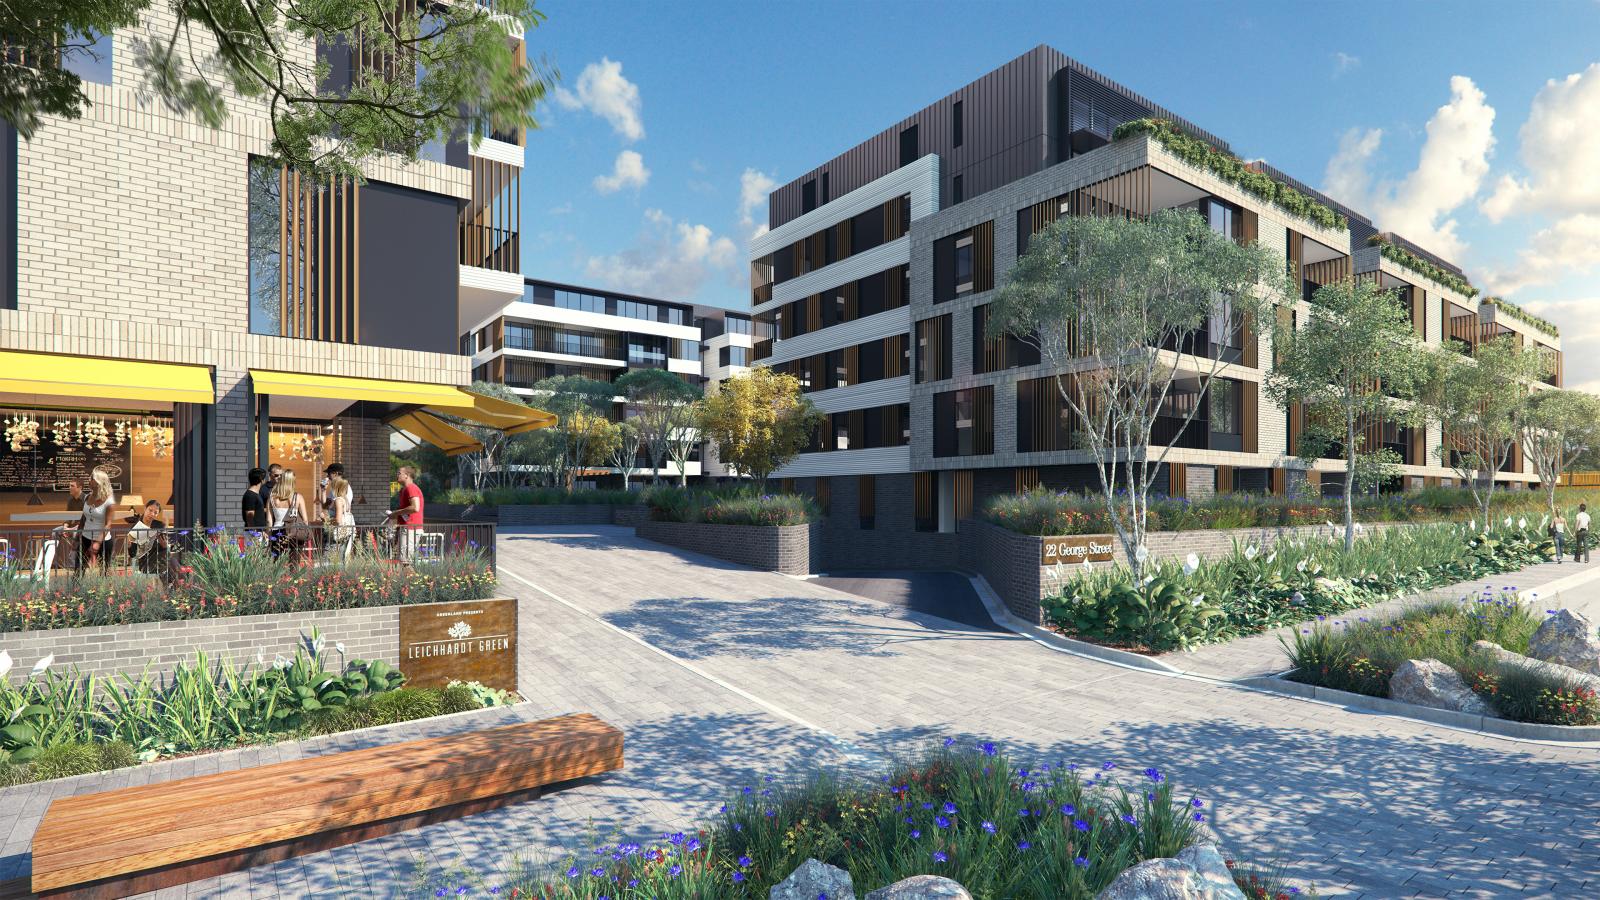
<point x="1567" y="639"/>
<point x="1429" y="682"/>
<point x="921" y="887"/>
<point x="814" y="879"/>
<point x="1548" y="669"/>
<point x="1198" y="873"/>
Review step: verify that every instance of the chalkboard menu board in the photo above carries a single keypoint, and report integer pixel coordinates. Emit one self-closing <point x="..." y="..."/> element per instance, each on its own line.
<point x="51" y="467"/>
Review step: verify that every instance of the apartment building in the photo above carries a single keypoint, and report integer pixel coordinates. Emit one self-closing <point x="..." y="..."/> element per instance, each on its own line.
<point x="872" y="285"/>
<point x="727" y="348"/>
<point x="556" y="329"/>
<point x="177" y="307"/>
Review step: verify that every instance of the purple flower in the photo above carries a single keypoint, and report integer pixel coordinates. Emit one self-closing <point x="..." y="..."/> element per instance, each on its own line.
<point x="989" y="827"/>
<point x="941" y="821"/>
<point x="915" y="833"/>
<point x="1080" y="824"/>
<point x="1081" y="862"/>
<point x="988" y="748"/>
<point x="1023" y="845"/>
<point x="949" y="808"/>
<point x="940" y="856"/>
<point x="738" y="877"/>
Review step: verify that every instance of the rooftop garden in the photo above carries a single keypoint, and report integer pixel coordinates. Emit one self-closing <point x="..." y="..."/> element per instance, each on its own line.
<point x="1233" y="170"/>
<point x="1522" y="315"/>
<point x="1406" y="259"/>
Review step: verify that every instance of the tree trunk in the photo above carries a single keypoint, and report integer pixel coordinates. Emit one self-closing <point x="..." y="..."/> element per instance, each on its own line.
<point x="1349" y="480"/>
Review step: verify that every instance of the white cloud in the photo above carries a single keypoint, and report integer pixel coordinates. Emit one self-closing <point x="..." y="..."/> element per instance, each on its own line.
<point x="561" y="210"/>
<point x="1344" y="62"/>
<point x="754" y="186"/>
<point x="603" y="91"/>
<point x="1450" y="169"/>
<point x="627" y="171"/>
<point x="1560" y="149"/>
<point x="1570" y="246"/>
<point x="1579" y="318"/>
<point x="669" y="259"/>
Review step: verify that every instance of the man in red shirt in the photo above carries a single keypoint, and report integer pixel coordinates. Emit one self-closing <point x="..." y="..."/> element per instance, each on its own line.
<point x="409" y="515"/>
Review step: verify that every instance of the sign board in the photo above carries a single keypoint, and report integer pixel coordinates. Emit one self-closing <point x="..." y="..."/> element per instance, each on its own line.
<point x="1072" y="550"/>
<point x="473" y="640"/>
<point x="51" y="467"/>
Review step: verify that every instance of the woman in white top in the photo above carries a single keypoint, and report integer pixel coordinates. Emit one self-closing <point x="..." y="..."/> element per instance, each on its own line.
<point x="94" y="526"/>
<point x="344" y="520"/>
<point x="285" y="510"/>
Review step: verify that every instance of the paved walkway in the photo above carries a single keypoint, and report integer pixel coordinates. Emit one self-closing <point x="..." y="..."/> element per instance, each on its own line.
<point x="1548" y="584"/>
<point x="717" y="673"/>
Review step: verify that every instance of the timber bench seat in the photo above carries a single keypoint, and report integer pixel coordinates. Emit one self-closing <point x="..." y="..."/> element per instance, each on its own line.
<point x="143" y="838"/>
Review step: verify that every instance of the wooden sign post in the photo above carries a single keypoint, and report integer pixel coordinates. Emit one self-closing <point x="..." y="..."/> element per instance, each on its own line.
<point x="1074" y="549"/>
<point x="473" y="640"/>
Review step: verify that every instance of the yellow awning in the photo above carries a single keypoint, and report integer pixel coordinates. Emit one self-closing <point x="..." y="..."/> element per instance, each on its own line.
<point x="104" y="379"/>
<point x="338" y="387"/>
<point x="512" y="418"/>
<point x="437" y="432"/>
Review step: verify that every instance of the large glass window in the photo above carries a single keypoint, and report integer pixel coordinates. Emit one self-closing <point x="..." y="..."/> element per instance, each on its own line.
<point x="647" y="350"/>
<point x="579" y="301"/>
<point x="963" y="422"/>
<point x="736" y="325"/>
<point x="1223" y="217"/>
<point x="964" y="266"/>
<point x="266" y="248"/>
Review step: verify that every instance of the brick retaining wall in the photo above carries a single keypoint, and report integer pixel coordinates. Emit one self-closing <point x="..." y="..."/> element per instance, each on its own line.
<point x="556" y="514"/>
<point x="777" y="548"/>
<point x="105" y="650"/>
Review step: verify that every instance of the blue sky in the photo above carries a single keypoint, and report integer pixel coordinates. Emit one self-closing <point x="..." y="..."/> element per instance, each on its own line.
<point x="1471" y="128"/>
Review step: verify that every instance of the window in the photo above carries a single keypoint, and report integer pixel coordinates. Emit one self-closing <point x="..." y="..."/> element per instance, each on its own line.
<point x="736" y="325"/>
<point x="580" y="302"/>
<point x="1006" y="351"/>
<point x="958" y="191"/>
<point x="1224" y="411"/>
<point x="826" y="196"/>
<point x="867" y="500"/>
<point x="633" y="309"/>
<point x="733" y="356"/>
<point x="963" y="263"/>
<point x="1223" y="217"/>
<point x="675" y="315"/>
<point x="1044" y="420"/>
<point x="933" y="349"/>
<point x="908" y="146"/>
<point x="302" y="245"/>
<point x="647" y="350"/>
<point x="963" y="422"/>
<point x="466" y="344"/>
<point x="808" y="196"/>
<point x="956" y="127"/>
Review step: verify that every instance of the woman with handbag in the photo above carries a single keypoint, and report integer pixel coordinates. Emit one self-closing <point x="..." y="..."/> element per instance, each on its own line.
<point x="286" y="513"/>
<point x="343" y="519"/>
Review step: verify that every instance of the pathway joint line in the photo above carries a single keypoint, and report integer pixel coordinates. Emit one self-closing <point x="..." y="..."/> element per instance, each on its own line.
<point x="685" y="664"/>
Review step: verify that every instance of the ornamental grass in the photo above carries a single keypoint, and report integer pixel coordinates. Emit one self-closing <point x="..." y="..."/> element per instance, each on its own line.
<point x="225" y="580"/>
<point x="1050" y="831"/>
<point x="1361" y="655"/>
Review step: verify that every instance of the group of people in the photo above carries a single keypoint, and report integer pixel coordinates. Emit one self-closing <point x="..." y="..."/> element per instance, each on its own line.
<point x="272" y="503"/>
<point x="1580" y="535"/>
<point x="96" y="503"/>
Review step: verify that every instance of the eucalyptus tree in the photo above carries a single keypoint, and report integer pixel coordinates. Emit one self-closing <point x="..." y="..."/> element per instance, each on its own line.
<point x="1355" y="361"/>
<point x="1561" y="428"/>
<point x="759" y="420"/>
<point x="449" y="70"/>
<point x="656" y="400"/>
<point x="1115" y="299"/>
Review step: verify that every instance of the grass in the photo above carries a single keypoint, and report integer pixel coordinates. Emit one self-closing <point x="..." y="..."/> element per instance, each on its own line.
<point x="1045" y="512"/>
<point x="1046" y="831"/>
<point x="1361" y="656"/>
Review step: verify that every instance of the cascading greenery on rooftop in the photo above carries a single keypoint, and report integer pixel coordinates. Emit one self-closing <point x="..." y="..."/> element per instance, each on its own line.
<point x="1233" y="170"/>
<point x="1417" y="264"/>
<point x="1522" y="315"/>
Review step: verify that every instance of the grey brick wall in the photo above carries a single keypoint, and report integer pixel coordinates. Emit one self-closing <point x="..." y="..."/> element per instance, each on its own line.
<point x="893" y="542"/>
<point x="557" y="514"/>
<point x="104" y="651"/>
<point x="788" y="548"/>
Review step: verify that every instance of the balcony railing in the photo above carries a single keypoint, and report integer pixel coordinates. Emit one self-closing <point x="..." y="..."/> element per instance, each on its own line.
<point x="487" y="247"/>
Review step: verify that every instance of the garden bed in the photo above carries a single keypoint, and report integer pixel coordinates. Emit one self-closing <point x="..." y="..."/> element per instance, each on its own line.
<point x="65" y="723"/>
<point x="1051" y="832"/>
<point x="1177" y="605"/>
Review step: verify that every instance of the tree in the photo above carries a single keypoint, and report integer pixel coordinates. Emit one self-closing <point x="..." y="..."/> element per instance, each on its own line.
<point x="1113" y="298"/>
<point x="1481" y="403"/>
<point x="1356" y="361"/>
<point x="1560" y="428"/>
<point x="683" y="436"/>
<point x="593" y="440"/>
<point x="625" y="450"/>
<point x="576" y="402"/>
<point x="487" y="467"/>
<point x="759" y="421"/>
<point x="653" y="396"/>
<point x="446" y="73"/>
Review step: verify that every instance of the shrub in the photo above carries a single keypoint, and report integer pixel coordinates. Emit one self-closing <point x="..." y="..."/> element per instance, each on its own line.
<point x="968" y="814"/>
<point x="458" y="698"/>
<point x="739" y="505"/>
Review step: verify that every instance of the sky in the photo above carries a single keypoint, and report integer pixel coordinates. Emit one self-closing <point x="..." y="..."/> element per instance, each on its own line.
<point x="1471" y="128"/>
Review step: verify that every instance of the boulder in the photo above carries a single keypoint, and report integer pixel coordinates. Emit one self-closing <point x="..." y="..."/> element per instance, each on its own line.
<point x="1198" y="873"/>
<point x="1429" y="682"/>
<point x="812" y="880"/>
<point x="1548" y="669"/>
<point x="921" y="887"/>
<point x="1567" y="639"/>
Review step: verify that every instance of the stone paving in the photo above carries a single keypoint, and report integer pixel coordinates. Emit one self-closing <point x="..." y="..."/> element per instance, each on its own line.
<point x="717" y="673"/>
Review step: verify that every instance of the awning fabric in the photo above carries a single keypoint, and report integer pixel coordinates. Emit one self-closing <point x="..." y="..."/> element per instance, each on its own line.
<point x="104" y="379"/>
<point x="512" y="418"/>
<point x="441" y="434"/>
<point x="339" y="387"/>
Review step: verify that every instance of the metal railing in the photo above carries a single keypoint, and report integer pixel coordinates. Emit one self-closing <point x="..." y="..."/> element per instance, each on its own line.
<point x="126" y="549"/>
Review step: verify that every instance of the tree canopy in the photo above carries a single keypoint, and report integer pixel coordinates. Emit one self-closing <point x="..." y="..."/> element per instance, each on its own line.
<point x="449" y="72"/>
<point x="759" y="421"/>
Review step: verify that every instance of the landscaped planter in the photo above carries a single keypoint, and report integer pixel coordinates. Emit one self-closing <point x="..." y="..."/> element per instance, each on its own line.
<point x="776" y="548"/>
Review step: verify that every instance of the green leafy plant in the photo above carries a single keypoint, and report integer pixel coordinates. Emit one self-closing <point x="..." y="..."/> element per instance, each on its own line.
<point x="1160" y="614"/>
<point x="1233" y="170"/>
<point x="485" y="695"/>
<point x="1521" y="315"/>
<point x="1403" y="257"/>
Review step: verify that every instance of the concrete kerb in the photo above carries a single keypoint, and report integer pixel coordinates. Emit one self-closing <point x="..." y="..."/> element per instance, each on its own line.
<point x="1526" y="732"/>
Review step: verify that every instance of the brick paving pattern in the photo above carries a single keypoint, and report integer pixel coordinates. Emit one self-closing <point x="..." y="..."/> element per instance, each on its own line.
<point x="748" y="672"/>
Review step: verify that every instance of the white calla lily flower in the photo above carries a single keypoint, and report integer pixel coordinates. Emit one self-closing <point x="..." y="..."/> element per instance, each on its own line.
<point x="1191" y="564"/>
<point x="1141" y="554"/>
<point x="1250" y="552"/>
<point x="6" y="662"/>
<point x="1270" y="557"/>
<point x="1522" y="522"/>
<point x="43" y="665"/>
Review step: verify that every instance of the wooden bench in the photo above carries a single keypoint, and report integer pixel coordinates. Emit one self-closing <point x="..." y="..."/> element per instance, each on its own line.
<point x="138" y="839"/>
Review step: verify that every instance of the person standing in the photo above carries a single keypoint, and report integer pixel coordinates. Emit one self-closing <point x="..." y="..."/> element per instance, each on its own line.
<point x="274" y="472"/>
<point x="95" y="526"/>
<point x="327" y="496"/>
<point x="1558" y="533"/>
<point x="1580" y="549"/>
<point x="286" y="513"/>
<point x="409" y="514"/>
<point x="341" y="515"/>
<point x="147" y="540"/>
<point x="253" y="506"/>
